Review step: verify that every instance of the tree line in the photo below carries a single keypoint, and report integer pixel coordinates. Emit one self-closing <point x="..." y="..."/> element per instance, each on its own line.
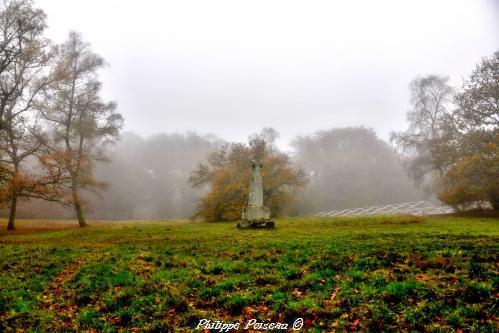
<point x="189" y="175"/>
<point x="55" y="129"/>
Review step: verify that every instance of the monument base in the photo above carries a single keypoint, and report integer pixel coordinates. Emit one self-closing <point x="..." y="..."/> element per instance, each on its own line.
<point x="255" y="224"/>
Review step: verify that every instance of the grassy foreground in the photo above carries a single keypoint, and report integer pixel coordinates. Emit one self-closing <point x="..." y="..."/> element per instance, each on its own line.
<point x="343" y="274"/>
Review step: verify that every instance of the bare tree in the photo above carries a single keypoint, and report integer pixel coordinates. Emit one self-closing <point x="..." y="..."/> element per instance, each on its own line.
<point x="22" y="52"/>
<point x="24" y="62"/>
<point x="431" y="97"/>
<point x="82" y="123"/>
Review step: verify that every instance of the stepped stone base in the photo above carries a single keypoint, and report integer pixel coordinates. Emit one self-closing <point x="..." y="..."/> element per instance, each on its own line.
<point x="255" y="224"/>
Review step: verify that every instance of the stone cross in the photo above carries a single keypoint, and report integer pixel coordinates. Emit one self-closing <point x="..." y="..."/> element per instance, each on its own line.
<point x="256" y="193"/>
<point x="255" y="215"/>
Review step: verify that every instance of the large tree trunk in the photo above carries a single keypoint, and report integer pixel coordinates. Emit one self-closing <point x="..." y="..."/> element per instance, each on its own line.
<point x="78" y="208"/>
<point x="13" y="200"/>
<point x="12" y="213"/>
<point x="79" y="214"/>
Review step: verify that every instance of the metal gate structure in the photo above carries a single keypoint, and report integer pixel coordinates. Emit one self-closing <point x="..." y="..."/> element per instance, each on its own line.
<point x="406" y="208"/>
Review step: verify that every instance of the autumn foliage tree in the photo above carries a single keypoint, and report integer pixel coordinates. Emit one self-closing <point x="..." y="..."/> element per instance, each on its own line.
<point x="473" y="179"/>
<point x="469" y="145"/>
<point x="81" y="123"/>
<point x="458" y="147"/>
<point x="228" y="173"/>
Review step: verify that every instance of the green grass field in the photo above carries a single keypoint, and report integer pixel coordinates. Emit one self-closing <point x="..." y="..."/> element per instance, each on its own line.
<point x="343" y="274"/>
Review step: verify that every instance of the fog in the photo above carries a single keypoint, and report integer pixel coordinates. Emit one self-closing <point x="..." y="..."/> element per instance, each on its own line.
<point x="330" y="77"/>
<point x="233" y="67"/>
<point x="148" y="178"/>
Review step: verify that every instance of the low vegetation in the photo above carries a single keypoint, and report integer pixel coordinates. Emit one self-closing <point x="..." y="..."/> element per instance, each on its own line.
<point x="377" y="274"/>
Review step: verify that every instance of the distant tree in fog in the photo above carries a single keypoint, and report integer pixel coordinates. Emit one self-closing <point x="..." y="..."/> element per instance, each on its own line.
<point x="82" y="123"/>
<point x="148" y="177"/>
<point x="349" y="167"/>
<point x="431" y="98"/>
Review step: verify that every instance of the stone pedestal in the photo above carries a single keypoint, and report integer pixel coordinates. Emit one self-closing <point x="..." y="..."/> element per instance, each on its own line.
<point x="255" y="224"/>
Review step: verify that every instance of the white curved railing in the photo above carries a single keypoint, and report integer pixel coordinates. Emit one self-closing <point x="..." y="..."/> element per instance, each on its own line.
<point x="410" y="208"/>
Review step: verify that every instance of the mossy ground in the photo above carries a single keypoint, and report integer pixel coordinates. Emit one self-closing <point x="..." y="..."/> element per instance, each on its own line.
<point x="344" y="274"/>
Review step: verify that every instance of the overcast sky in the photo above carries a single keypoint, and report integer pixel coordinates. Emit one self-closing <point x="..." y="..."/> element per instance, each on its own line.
<point x="233" y="67"/>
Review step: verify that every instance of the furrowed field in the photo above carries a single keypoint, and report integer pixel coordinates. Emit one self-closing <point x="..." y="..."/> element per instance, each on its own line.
<point x="343" y="274"/>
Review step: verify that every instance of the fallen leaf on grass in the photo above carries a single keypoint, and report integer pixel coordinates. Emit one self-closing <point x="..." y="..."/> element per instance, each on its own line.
<point x="354" y="325"/>
<point x="297" y="293"/>
<point x="334" y="293"/>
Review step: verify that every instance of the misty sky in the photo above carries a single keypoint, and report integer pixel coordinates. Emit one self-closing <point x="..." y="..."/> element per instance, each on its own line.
<point x="233" y="67"/>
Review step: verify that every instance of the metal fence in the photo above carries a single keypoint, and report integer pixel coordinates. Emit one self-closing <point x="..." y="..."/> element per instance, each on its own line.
<point x="409" y="208"/>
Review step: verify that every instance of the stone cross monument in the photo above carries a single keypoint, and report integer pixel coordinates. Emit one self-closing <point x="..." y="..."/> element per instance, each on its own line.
<point x="255" y="214"/>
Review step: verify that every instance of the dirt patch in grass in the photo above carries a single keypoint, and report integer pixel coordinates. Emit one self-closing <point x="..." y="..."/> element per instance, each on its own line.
<point x="54" y="289"/>
<point x="38" y="226"/>
<point x="54" y="298"/>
